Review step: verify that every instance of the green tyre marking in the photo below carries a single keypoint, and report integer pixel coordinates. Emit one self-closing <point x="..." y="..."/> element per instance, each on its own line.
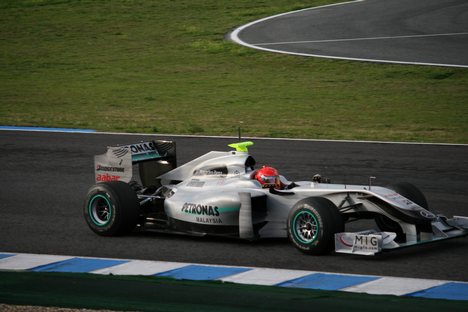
<point x="298" y="237"/>
<point x="92" y="210"/>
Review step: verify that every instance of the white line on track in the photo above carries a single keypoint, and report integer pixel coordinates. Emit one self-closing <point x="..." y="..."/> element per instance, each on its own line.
<point x="234" y="36"/>
<point x="361" y="39"/>
<point x="75" y="131"/>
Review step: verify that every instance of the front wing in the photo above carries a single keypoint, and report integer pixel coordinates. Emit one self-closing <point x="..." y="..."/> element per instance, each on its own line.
<point x="372" y="242"/>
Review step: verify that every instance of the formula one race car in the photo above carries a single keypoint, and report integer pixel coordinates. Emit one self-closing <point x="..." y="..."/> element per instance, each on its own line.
<point x="221" y="193"/>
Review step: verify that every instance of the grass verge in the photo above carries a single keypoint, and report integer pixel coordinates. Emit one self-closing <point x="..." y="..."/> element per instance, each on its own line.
<point x="75" y="290"/>
<point x="165" y="67"/>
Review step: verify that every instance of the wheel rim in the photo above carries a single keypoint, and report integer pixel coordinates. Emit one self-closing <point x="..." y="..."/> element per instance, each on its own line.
<point x="100" y="210"/>
<point x="305" y="227"/>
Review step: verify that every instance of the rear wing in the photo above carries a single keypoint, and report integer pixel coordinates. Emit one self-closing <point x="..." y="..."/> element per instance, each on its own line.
<point x="153" y="159"/>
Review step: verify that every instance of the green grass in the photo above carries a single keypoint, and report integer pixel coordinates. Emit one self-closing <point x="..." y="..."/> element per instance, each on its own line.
<point x="143" y="293"/>
<point x="164" y="67"/>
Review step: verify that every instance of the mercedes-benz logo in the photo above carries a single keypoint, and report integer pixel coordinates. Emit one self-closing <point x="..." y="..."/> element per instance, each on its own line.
<point x="427" y="214"/>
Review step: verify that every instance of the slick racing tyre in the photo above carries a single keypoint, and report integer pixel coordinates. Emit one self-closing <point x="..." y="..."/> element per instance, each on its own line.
<point x="409" y="191"/>
<point x="312" y="224"/>
<point x="111" y="208"/>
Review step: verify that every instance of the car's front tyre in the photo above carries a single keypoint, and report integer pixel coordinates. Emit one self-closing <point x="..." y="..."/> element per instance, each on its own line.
<point x="412" y="193"/>
<point x="111" y="208"/>
<point x="312" y="224"/>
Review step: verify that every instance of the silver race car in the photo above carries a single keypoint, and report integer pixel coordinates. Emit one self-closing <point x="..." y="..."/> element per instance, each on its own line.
<point x="222" y="193"/>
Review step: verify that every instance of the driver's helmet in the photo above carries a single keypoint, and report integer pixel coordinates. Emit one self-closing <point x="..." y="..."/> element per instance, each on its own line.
<point x="268" y="177"/>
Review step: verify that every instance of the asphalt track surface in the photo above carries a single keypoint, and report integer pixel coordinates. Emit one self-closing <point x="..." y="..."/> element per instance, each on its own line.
<point x="429" y="32"/>
<point x="45" y="176"/>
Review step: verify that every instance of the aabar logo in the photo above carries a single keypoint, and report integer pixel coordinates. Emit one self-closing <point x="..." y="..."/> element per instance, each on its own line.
<point x="107" y="177"/>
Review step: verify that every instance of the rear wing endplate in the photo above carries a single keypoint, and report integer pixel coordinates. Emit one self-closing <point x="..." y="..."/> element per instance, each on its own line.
<point x="152" y="157"/>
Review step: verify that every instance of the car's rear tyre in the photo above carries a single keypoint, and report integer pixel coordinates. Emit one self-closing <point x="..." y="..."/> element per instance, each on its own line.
<point x="111" y="208"/>
<point x="312" y="224"/>
<point x="412" y="193"/>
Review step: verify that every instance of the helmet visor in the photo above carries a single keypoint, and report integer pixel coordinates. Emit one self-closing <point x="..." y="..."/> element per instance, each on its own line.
<point x="270" y="181"/>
